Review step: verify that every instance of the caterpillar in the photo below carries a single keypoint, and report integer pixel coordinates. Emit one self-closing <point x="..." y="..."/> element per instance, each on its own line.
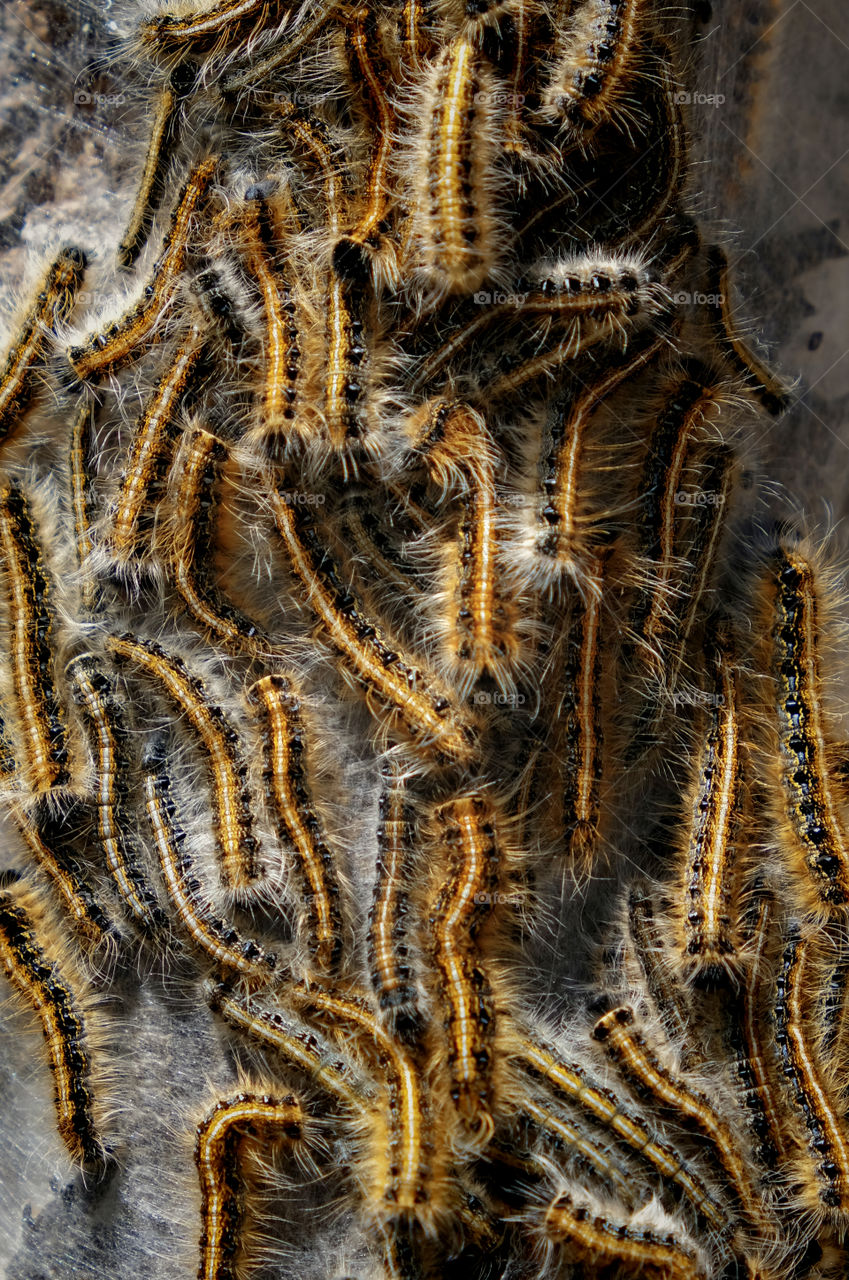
<point x="467" y="858"/>
<point x="568" y="519"/>
<point x="106" y="350"/>
<point x="586" y="1234"/>
<point x="163" y="135"/>
<point x="219" y="741"/>
<point x="757" y="378"/>
<point x="30" y="621"/>
<point x="813" y="835"/>
<point x="457" y="230"/>
<point x="51" y="307"/>
<point x="392" y="976"/>
<point x="431" y="717"/>
<point x="602" y="48"/>
<point x="707" y="902"/>
<point x="222" y="1137"/>
<point x="145" y="462"/>
<point x="216" y="938"/>
<point x="628" y="1049"/>
<point x="190" y="541"/>
<point x="278" y="706"/>
<point x="47" y="982"/>
<point x="110" y="735"/>
<point x="826" y="1172"/>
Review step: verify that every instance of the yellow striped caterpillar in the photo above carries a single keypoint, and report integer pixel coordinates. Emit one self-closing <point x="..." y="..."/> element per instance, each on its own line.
<point x="216" y="938"/>
<point x="278" y="707"/>
<point x="59" y="997"/>
<point x="52" y="306"/>
<point x="111" y="738"/>
<point x="219" y="741"/>
<point x="29" y="593"/>
<point x="428" y="713"/>
<point x="222" y="1138"/>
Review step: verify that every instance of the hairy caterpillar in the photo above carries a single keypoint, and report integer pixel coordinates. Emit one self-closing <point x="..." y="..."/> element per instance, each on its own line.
<point x="51" y="986"/>
<point x="29" y="593"/>
<point x="52" y="305"/>
<point x="111" y="742"/>
<point x="284" y="736"/>
<point x="110" y="348"/>
<point x="220" y="743"/>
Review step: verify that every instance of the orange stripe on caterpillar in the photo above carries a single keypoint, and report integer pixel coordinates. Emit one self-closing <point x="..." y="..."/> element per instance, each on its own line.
<point x="427" y="711"/>
<point x="825" y="1174"/>
<point x="192" y="544"/>
<point x="588" y="1236"/>
<point x="164" y="136"/>
<point x="220" y="743"/>
<point x="99" y="703"/>
<point x="31" y="638"/>
<point x="109" y="349"/>
<point x="277" y="703"/>
<point x="416" y="39"/>
<point x="626" y="1046"/>
<point x="217" y="939"/>
<point x="52" y="305"/>
<point x="58" y="997"/>
<point x="392" y="976"/>
<point x="814" y="844"/>
<point x="222" y="1136"/>
<point x="150" y="437"/>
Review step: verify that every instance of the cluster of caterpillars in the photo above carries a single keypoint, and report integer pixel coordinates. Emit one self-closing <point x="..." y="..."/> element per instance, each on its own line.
<point x="413" y="401"/>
